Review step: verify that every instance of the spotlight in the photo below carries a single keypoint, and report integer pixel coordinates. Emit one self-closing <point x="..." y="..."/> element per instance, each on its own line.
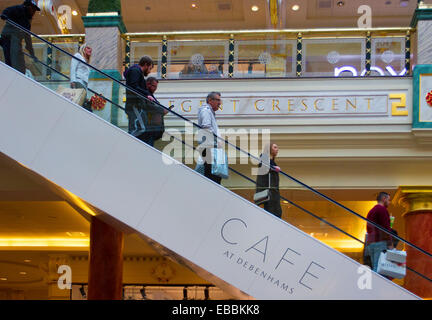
<point x="194" y="6"/>
<point x="83" y="293"/>
<point x="340" y="3"/>
<point x="404" y="3"/>
<point x="74" y="13"/>
<point x="295" y="7"/>
<point x="255" y="8"/>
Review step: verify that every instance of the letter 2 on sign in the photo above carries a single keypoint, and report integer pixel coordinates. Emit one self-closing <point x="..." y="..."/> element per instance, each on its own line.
<point x="399" y="108"/>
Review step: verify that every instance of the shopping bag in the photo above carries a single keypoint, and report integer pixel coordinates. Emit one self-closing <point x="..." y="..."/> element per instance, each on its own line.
<point x="389" y="268"/>
<point x="262" y="197"/>
<point x="396" y="256"/>
<point x="75" y="95"/>
<point x="97" y="102"/>
<point x="220" y="163"/>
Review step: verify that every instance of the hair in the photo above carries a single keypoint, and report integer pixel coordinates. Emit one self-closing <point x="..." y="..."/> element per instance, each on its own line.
<point x="81" y="51"/>
<point x="151" y="79"/>
<point x="267" y="149"/>
<point x="212" y="95"/>
<point x="382" y="195"/>
<point x="146" y="60"/>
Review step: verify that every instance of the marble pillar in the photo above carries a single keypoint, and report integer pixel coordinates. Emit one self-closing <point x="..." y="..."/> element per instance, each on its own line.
<point x="422" y="20"/>
<point x="418" y="226"/>
<point x="105" y="279"/>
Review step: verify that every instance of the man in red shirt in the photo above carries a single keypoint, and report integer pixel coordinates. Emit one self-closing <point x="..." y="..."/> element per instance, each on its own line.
<point x="377" y="240"/>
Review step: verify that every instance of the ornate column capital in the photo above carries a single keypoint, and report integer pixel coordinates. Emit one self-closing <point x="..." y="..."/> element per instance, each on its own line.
<point x="414" y="198"/>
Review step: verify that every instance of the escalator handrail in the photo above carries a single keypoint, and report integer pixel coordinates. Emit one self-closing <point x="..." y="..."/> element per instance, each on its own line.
<point x="225" y="141"/>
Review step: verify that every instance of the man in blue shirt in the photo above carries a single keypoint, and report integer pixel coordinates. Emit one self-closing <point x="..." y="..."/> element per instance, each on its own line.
<point x="12" y="36"/>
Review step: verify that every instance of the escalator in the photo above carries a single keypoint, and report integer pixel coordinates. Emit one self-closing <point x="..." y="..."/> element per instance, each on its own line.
<point x="221" y="236"/>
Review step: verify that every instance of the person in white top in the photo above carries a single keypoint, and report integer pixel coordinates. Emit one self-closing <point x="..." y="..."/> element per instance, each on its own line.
<point x="207" y="121"/>
<point x="79" y="73"/>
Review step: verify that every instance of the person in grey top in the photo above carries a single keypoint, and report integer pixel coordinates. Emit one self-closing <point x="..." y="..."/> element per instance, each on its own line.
<point x="207" y="121"/>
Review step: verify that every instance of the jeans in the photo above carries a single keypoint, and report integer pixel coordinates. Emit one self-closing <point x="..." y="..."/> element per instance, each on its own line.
<point x="374" y="250"/>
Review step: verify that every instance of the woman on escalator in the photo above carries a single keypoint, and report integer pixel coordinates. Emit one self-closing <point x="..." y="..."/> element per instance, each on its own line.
<point x="269" y="179"/>
<point x="79" y="73"/>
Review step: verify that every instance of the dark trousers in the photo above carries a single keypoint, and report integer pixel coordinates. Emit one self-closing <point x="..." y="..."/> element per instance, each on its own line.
<point x="147" y="138"/>
<point x="137" y="121"/>
<point x="208" y="169"/>
<point x="14" y="56"/>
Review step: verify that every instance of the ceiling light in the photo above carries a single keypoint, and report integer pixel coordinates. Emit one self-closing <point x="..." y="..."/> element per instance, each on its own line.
<point x="45" y="242"/>
<point x="3" y="279"/>
<point x="295" y="7"/>
<point x="340" y="3"/>
<point x="27" y="260"/>
<point x="404" y="3"/>
<point x="74" y="13"/>
<point x="194" y="6"/>
<point x="254" y="8"/>
<point x="23" y="273"/>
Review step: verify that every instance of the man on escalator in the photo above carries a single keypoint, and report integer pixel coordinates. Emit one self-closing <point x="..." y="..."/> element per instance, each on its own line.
<point x="141" y="112"/>
<point x="12" y="37"/>
<point x="378" y="240"/>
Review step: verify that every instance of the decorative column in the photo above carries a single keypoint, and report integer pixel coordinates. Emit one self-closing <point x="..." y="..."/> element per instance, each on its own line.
<point x="103" y="28"/>
<point x="368" y="53"/>
<point x="106" y="262"/>
<point x="299" y="56"/>
<point x="418" y="226"/>
<point x="422" y="74"/>
<point x="164" y="62"/>
<point x="231" y="57"/>
<point x="422" y="20"/>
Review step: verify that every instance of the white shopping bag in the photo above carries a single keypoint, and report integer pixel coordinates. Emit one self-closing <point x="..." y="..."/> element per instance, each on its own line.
<point x="396" y="256"/>
<point x="389" y="268"/>
<point x="75" y="95"/>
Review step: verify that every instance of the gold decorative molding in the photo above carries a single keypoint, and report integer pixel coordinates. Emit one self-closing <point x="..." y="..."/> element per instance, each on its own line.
<point x="414" y="198"/>
<point x="232" y="33"/>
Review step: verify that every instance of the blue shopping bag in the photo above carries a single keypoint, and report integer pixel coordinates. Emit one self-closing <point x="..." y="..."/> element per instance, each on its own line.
<point x="220" y="163"/>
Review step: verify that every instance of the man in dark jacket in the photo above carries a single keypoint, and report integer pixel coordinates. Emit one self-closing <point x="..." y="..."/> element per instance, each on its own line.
<point x="12" y="36"/>
<point x="139" y="110"/>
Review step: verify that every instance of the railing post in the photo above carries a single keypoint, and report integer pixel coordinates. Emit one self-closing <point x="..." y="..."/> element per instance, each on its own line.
<point x="368" y="53"/>
<point x="231" y="57"/>
<point x="299" y="54"/>
<point x="49" y="59"/>
<point x="408" y="53"/>
<point x="164" y="61"/>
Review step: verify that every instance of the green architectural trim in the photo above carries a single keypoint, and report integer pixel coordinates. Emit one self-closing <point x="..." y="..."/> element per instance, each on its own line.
<point x="418" y="71"/>
<point x="94" y="75"/>
<point x="420" y="14"/>
<point x="104" y="6"/>
<point x="104" y="21"/>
